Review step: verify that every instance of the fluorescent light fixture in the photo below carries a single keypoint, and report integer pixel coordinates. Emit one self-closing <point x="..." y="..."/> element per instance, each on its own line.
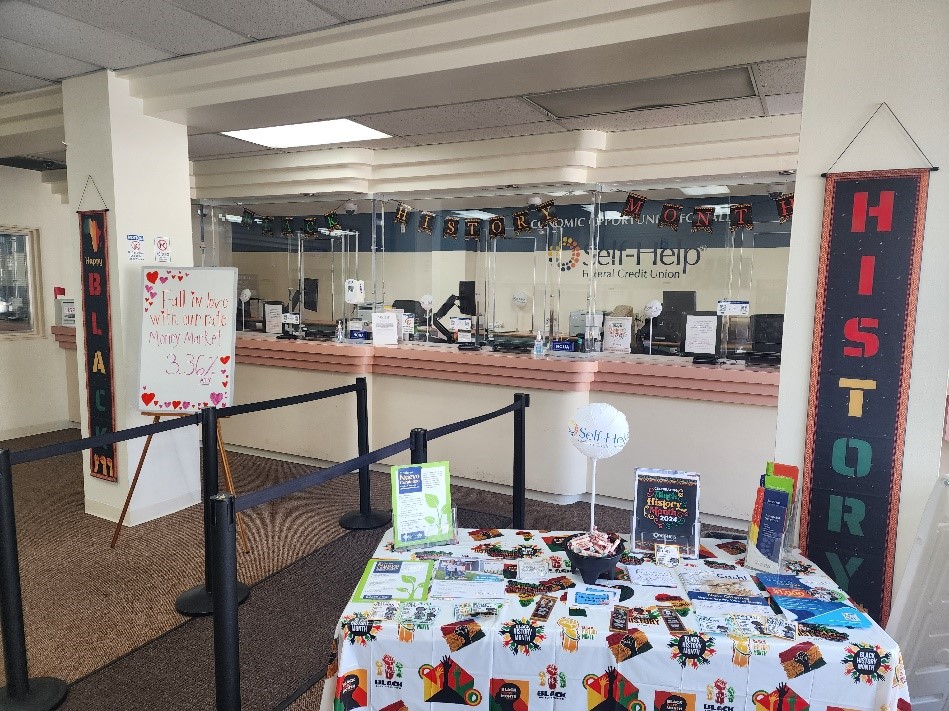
<point x="480" y="214"/>
<point x="705" y="190"/>
<point x="317" y="133"/>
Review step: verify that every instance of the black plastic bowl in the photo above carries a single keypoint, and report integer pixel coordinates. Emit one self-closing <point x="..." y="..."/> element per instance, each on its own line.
<point x="591" y="568"/>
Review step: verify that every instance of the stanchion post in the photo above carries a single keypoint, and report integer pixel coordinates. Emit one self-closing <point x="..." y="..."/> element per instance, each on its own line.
<point x="523" y="401"/>
<point x="227" y="673"/>
<point x="20" y="692"/>
<point x="199" y="600"/>
<point x="418" y="440"/>
<point x="366" y="517"/>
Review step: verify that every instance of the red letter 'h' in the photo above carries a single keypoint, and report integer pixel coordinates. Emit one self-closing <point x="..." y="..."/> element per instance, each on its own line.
<point x="883" y="212"/>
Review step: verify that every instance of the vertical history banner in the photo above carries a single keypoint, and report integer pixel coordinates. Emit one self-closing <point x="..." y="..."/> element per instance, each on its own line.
<point x="865" y="317"/>
<point x="100" y="394"/>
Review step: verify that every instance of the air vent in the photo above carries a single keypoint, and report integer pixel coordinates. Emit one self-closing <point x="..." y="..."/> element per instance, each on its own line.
<point x="676" y="90"/>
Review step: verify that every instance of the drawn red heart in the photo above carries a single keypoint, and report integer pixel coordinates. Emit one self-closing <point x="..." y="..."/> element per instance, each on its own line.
<point x="224" y="383"/>
<point x="148" y="397"/>
<point x="151" y="276"/>
<point x="176" y="403"/>
<point x="224" y="359"/>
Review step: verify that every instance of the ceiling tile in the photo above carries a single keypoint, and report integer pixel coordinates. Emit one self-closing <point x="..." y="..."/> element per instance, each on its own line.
<point x="37" y="62"/>
<point x="455" y="117"/>
<point x="669" y="116"/>
<point x="63" y="35"/>
<point x="785" y="76"/>
<point x="784" y="104"/>
<point x="262" y="19"/>
<point x="361" y="9"/>
<point x="11" y="81"/>
<point x="214" y="144"/>
<point x="481" y="134"/>
<point x="154" y="22"/>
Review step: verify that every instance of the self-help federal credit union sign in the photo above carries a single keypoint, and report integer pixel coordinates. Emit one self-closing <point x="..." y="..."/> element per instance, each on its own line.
<point x="863" y="340"/>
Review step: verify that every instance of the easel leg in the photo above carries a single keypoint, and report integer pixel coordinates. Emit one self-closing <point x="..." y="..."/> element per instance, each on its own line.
<point x="245" y="548"/>
<point x="128" y="498"/>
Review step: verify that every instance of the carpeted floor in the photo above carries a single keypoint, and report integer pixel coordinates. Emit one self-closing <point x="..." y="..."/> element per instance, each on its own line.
<point x="87" y="606"/>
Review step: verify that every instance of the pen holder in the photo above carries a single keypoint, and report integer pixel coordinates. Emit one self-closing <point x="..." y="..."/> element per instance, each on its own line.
<point x="591" y="568"/>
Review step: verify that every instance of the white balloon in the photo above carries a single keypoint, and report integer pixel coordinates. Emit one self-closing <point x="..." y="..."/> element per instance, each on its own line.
<point x="652" y="309"/>
<point x="427" y="301"/>
<point x="598" y="430"/>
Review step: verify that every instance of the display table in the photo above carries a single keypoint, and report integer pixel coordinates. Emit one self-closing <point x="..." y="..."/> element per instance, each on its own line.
<point x="527" y="658"/>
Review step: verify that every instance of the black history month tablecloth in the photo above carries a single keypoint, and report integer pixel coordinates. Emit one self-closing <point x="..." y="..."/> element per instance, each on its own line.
<point x="645" y="650"/>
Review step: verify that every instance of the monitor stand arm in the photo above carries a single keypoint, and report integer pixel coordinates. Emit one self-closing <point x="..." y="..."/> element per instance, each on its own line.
<point x="442" y="311"/>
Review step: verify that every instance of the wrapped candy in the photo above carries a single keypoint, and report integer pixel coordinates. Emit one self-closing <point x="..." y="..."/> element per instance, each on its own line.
<point x="595" y="544"/>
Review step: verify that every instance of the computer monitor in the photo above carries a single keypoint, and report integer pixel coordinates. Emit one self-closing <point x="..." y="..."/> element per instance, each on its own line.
<point x="674" y="304"/>
<point x="467" y="303"/>
<point x="411" y="307"/>
<point x="767" y="332"/>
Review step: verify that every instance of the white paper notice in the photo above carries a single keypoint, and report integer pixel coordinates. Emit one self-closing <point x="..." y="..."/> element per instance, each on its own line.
<point x="162" y="250"/>
<point x="136" y="246"/>
<point x="385" y="328"/>
<point x="617" y="334"/>
<point x="273" y="318"/>
<point x="700" y="333"/>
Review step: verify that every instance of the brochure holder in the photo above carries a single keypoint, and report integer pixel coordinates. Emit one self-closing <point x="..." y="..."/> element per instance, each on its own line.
<point x="422" y="513"/>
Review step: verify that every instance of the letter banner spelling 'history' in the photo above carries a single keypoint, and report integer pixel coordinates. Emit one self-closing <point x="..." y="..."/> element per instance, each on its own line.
<point x="871" y="247"/>
<point x="97" y="336"/>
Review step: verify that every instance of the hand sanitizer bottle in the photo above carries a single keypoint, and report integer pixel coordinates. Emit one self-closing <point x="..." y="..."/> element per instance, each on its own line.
<point x="538" y="346"/>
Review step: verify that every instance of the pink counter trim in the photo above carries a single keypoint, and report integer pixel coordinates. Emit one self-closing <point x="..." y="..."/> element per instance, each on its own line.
<point x="675" y="378"/>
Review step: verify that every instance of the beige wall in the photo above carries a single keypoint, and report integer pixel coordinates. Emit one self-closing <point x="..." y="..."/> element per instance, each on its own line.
<point x="33" y="390"/>
<point x="861" y="53"/>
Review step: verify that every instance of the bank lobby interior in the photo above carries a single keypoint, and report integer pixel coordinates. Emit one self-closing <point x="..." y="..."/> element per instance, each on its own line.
<point x="486" y="106"/>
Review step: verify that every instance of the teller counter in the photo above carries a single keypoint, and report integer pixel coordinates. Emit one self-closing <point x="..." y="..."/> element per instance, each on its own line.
<point x="716" y="420"/>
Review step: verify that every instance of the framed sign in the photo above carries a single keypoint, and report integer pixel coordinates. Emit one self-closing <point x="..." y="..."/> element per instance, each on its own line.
<point x="871" y="247"/>
<point x="666" y="511"/>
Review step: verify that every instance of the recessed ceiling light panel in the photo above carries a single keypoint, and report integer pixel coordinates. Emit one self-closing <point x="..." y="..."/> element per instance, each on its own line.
<point x="705" y="190"/>
<point x="316" y="133"/>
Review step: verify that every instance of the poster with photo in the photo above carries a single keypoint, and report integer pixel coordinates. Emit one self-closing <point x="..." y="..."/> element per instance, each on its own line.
<point x="666" y="511"/>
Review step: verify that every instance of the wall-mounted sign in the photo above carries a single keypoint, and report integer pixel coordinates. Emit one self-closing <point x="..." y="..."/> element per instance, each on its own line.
<point x="97" y="337"/>
<point x="871" y="248"/>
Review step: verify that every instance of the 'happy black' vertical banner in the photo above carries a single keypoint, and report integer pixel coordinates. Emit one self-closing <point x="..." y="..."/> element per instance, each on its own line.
<point x="93" y="251"/>
<point x="863" y="342"/>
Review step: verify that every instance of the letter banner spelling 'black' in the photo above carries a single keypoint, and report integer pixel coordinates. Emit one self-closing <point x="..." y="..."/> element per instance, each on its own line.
<point x="97" y="336"/>
<point x="871" y="247"/>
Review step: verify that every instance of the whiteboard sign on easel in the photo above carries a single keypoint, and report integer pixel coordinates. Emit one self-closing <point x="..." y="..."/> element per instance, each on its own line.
<point x="187" y="353"/>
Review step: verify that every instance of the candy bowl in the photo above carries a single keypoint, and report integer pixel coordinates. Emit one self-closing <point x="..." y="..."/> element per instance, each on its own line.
<point x="591" y="566"/>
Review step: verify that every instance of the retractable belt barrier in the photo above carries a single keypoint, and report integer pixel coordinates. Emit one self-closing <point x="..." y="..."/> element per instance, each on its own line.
<point x="224" y="509"/>
<point x="45" y="693"/>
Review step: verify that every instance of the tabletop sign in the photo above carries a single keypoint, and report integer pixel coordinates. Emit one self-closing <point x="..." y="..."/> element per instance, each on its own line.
<point x="187" y="350"/>
<point x="421" y="505"/>
<point x="666" y="511"/>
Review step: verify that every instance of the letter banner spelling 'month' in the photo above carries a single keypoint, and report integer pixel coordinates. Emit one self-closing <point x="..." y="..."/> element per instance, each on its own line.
<point x="863" y="342"/>
<point x="97" y="335"/>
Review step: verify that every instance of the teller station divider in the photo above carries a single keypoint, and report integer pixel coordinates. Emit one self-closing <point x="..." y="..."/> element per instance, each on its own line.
<point x="220" y="593"/>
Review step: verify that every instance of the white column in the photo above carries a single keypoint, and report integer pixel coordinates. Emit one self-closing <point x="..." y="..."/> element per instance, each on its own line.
<point x="140" y="166"/>
<point x="861" y="53"/>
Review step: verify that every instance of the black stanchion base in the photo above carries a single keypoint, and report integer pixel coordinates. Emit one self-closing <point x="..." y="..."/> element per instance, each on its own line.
<point x="197" y="601"/>
<point x="357" y="521"/>
<point x="45" y="693"/>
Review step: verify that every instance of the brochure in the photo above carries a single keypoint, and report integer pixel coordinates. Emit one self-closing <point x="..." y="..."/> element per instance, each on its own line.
<point x="806" y="604"/>
<point x="465" y="578"/>
<point x="716" y="604"/>
<point x="394" y="580"/>
<point x="666" y="511"/>
<point x="421" y="506"/>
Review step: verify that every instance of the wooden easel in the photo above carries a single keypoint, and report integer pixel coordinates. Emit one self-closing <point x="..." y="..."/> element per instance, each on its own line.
<point x="141" y="462"/>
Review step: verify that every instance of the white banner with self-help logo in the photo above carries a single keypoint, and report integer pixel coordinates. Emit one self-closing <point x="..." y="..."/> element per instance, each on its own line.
<point x="187" y="346"/>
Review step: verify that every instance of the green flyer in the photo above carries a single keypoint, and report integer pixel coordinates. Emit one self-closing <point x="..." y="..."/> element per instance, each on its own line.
<point x="421" y="505"/>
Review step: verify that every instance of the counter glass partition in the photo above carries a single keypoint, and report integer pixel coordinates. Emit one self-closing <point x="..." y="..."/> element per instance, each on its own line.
<point x="516" y="262"/>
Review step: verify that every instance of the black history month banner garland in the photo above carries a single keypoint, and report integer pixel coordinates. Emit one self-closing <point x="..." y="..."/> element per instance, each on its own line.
<point x="97" y="337"/>
<point x="868" y="280"/>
